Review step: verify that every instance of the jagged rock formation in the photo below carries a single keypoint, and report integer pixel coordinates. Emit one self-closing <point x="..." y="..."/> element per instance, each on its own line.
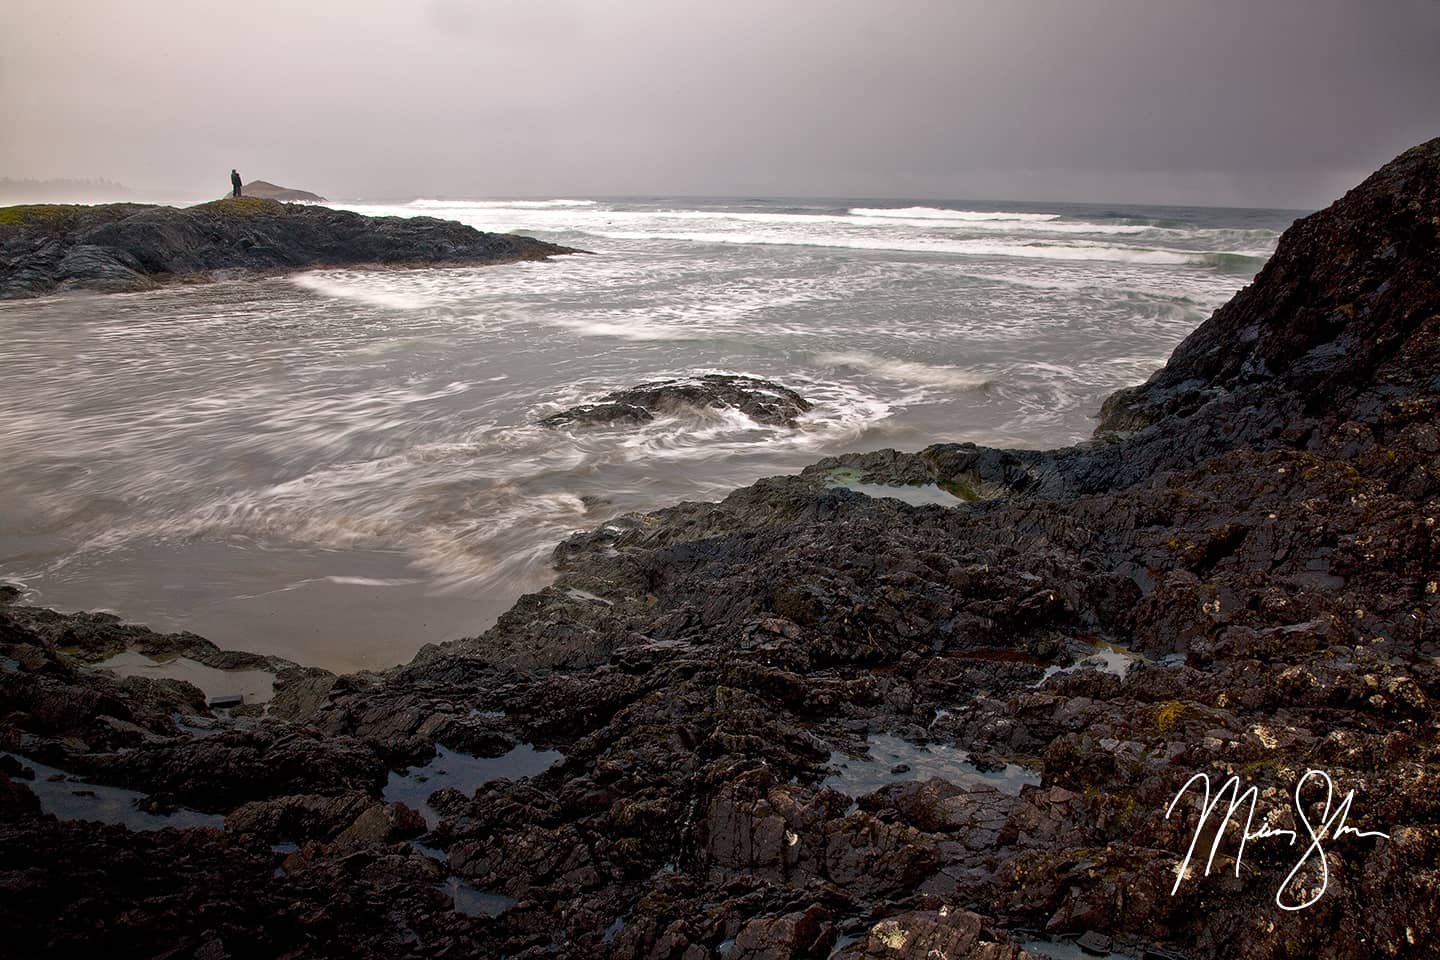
<point x="763" y="401"/>
<point x="1255" y="537"/>
<point x="128" y="246"/>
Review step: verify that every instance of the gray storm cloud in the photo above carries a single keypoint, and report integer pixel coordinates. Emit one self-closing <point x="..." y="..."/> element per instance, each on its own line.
<point x="1267" y="102"/>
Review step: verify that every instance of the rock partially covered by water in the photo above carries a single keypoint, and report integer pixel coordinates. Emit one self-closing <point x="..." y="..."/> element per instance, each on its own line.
<point x="763" y="401"/>
<point x="119" y="247"/>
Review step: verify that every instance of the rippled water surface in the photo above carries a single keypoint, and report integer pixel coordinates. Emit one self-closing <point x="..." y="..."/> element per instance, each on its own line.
<point x="343" y="465"/>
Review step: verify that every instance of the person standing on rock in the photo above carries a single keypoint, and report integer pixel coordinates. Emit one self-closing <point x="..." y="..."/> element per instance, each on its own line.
<point x="235" y="182"/>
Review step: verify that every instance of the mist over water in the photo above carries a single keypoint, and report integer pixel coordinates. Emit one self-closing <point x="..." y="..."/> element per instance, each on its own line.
<point x="343" y="465"/>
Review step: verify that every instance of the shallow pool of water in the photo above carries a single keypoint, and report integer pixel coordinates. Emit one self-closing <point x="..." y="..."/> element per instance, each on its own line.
<point x="69" y="798"/>
<point x="463" y="772"/>
<point x="1113" y="659"/>
<point x="889" y="754"/>
<point x="1067" y="950"/>
<point x="915" y="494"/>
<point x="254" y="686"/>
<point x="474" y="902"/>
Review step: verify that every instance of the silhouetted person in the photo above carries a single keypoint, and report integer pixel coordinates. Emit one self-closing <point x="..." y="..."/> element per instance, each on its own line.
<point x="235" y="182"/>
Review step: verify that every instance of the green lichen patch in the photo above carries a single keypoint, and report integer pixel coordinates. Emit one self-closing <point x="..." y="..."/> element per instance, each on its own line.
<point x="242" y="207"/>
<point x="58" y="215"/>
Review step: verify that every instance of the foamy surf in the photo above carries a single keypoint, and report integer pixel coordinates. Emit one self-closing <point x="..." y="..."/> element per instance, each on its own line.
<point x="907" y="371"/>
<point x="434" y="204"/>
<point x="484" y="506"/>
<point x="333" y="451"/>
<point x="941" y="213"/>
<point x="1078" y="250"/>
<point x="325" y="285"/>
<point x="909" y="229"/>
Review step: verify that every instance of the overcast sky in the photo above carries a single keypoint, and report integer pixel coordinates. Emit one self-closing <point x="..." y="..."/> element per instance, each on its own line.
<point x="1234" y="102"/>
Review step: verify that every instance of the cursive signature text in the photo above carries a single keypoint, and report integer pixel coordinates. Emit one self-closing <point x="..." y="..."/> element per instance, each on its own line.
<point x="1331" y="826"/>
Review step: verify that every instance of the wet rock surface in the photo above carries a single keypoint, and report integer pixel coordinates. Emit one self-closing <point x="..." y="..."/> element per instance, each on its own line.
<point x="763" y="401"/>
<point x="120" y="247"/>
<point x="1258" y="547"/>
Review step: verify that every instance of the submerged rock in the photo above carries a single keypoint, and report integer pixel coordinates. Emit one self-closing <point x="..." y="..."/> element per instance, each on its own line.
<point x="127" y="246"/>
<point x="763" y="401"/>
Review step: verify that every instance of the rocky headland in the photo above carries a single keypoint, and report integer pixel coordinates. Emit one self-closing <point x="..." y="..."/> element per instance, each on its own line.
<point x="266" y="190"/>
<point x="121" y="247"/>
<point x="811" y="722"/>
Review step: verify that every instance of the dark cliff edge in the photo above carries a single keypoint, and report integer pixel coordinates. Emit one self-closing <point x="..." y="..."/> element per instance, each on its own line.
<point x="805" y="722"/>
<point x="121" y="247"/>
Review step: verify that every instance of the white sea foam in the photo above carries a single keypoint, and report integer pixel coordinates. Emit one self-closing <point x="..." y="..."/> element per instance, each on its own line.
<point x="482" y="508"/>
<point x="630" y="328"/>
<point x="1039" y="224"/>
<point x="975" y="248"/>
<point x="373" y="581"/>
<point x="908" y="371"/>
<point x="428" y="204"/>
<point x="841" y="414"/>
<point x="331" y="286"/>
<point x="498" y="215"/>
<point x="1048" y="227"/>
<point x="940" y="213"/>
<point x="903" y="229"/>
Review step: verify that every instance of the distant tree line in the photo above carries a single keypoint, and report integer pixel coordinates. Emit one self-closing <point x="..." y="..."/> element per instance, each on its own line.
<point x="62" y="189"/>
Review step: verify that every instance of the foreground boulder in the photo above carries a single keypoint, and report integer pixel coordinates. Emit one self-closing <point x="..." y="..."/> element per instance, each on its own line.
<point x="126" y="246"/>
<point x="763" y="401"/>
<point x="804" y="722"/>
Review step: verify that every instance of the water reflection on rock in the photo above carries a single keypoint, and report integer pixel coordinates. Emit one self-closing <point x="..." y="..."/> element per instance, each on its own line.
<point x="893" y="760"/>
<point x="463" y="772"/>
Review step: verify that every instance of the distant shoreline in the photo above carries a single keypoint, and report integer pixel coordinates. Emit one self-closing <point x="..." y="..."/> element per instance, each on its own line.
<point x="128" y="247"/>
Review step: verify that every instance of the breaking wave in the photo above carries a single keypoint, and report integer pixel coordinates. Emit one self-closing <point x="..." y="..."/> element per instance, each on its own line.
<point x="1077" y="250"/>
<point x="908" y="371"/>
<point x="940" y="213"/>
<point x="427" y="204"/>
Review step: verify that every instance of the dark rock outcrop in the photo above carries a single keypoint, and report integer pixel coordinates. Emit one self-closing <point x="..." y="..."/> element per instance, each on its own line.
<point x="125" y="247"/>
<point x="265" y="190"/>
<point x="761" y="400"/>
<point x="1338" y="323"/>
<point x="1243" y="583"/>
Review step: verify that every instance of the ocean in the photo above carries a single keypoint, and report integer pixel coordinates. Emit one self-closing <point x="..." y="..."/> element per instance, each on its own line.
<point x="340" y="466"/>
